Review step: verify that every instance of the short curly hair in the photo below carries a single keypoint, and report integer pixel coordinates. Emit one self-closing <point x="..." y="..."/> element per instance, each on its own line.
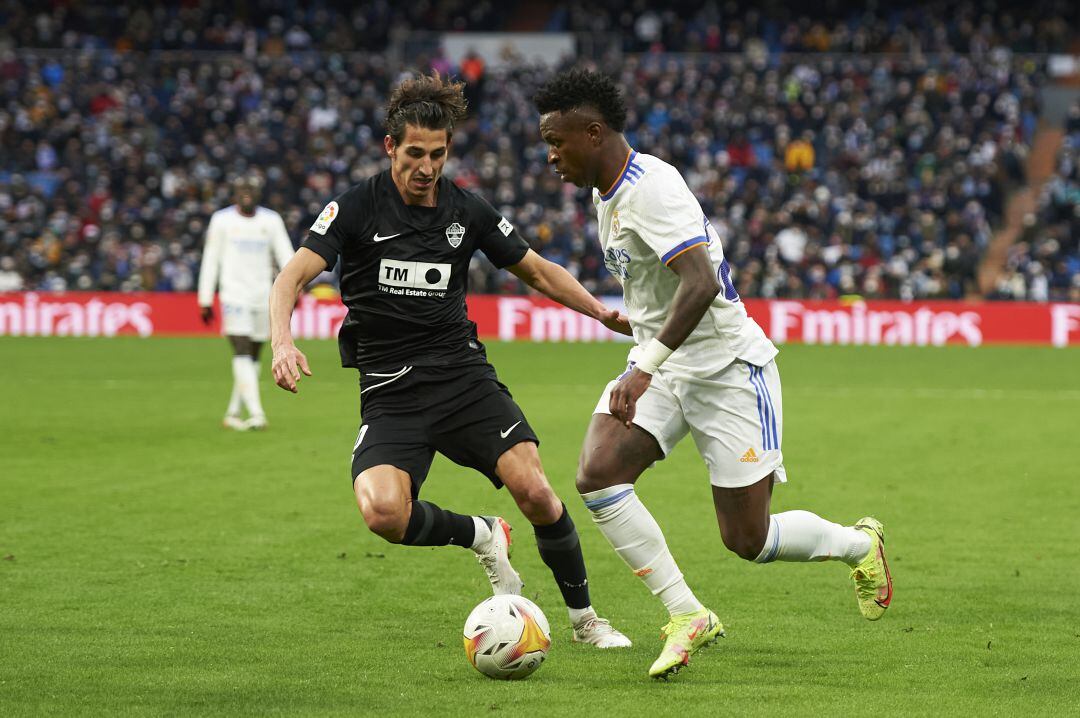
<point x="579" y="87"/>
<point x="427" y="101"/>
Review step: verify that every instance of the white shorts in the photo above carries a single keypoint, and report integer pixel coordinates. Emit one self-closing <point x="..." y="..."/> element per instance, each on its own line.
<point x="734" y="415"/>
<point x="239" y="320"/>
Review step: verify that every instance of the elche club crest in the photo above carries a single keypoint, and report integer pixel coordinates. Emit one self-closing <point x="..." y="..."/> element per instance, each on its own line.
<point x="454" y="234"/>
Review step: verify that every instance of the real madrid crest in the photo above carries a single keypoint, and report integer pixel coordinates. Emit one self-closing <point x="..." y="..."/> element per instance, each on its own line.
<point x="615" y="224"/>
<point x="454" y="234"/>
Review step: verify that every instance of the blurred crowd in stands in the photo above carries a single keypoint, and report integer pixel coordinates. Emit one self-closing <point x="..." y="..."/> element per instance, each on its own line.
<point x="270" y="27"/>
<point x="1044" y="264"/>
<point x="930" y="26"/>
<point x="276" y="26"/>
<point x="878" y="175"/>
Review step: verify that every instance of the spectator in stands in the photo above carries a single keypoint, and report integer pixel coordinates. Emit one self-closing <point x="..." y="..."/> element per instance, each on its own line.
<point x="799" y="155"/>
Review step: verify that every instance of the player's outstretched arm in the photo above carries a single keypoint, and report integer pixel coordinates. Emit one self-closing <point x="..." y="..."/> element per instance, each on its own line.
<point x="209" y="269"/>
<point x="288" y="360"/>
<point x="554" y="282"/>
<point x="698" y="286"/>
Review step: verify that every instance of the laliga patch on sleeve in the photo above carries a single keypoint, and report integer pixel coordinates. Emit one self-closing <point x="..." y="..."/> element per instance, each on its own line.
<point x="326" y="218"/>
<point x="505" y="227"/>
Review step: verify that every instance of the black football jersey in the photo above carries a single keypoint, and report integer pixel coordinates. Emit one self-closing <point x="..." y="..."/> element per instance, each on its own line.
<point x="405" y="269"/>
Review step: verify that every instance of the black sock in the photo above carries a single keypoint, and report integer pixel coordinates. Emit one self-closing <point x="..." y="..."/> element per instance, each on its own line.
<point x="561" y="551"/>
<point x="431" y="526"/>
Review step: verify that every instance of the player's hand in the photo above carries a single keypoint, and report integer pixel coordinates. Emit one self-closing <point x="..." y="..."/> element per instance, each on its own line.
<point x="623" y="401"/>
<point x="288" y="363"/>
<point x="207" y="314"/>
<point x="616" y="321"/>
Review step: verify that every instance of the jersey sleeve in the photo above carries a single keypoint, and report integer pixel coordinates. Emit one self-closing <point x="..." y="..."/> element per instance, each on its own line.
<point x="210" y="267"/>
<point x="337" y="222"/>
<point x="668" y="216"/>
<point x="499" y="240"/>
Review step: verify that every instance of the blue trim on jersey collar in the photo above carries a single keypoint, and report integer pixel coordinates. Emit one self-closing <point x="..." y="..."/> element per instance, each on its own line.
<point x="634" y="171"/>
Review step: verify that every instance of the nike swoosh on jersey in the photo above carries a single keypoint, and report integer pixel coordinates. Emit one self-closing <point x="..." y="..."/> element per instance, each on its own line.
<point x="506" y="433"/>
<point x="377" y="238"/>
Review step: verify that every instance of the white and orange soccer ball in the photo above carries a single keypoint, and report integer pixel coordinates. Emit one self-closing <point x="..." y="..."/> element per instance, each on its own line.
<point x="507" y="637"/>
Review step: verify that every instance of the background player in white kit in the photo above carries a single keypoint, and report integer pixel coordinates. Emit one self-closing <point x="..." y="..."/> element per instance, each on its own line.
<point x="243" y="243"/>
<point x="700" y="366"/>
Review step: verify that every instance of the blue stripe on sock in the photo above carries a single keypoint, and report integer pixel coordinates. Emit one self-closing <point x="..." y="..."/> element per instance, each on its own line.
<point x="596" y="504"/>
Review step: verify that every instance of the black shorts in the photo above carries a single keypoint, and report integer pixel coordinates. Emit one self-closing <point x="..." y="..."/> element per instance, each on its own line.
<point x="465" y="413"/>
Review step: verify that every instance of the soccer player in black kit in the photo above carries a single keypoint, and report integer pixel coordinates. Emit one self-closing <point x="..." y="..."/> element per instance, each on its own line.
<point x="405" y="238"/>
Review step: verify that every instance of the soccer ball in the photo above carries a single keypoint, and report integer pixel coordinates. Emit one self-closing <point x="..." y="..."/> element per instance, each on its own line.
<point x="507" y="637"/>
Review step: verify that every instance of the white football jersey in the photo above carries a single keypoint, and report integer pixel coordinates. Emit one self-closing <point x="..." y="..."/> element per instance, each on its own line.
<point x="647" y="219"/>
<point x="240" y="254"/>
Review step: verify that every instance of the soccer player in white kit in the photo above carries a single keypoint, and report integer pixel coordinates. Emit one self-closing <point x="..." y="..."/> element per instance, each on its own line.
<point x="243" y="243"/>
<point x="700" y="366"/>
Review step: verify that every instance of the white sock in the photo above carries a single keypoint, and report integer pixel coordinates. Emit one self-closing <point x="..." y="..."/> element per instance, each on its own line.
<point x="579" y="616"/>
<point x="234" y="399"/>
<point x="248" y="384"/>
<point x="634" y="534"/>
<point x="256" y="368"/>
<point x="482" y="534"/>
<point x="803" y="536"/>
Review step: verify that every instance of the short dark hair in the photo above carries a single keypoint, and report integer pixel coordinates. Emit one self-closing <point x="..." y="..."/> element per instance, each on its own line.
<point x="579" y="87"/>
<point x="426" y="101"/>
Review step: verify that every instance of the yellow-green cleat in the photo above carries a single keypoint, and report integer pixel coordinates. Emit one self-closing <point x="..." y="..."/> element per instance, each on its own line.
<point x="873" y="582"/>
<point x="684" y="635"/>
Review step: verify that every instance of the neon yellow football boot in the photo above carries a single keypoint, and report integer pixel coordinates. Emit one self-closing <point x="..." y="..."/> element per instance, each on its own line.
<point x="684" y="636"/>
<point x="873" y="582"/>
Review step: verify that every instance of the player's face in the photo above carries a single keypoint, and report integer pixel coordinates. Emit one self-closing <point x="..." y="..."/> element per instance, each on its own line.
<point x="245" y="198"/>
<point x="417" y="161"/>
<point x="571" y="148"/>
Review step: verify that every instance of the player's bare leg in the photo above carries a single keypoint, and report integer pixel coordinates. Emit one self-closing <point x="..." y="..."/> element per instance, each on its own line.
<point x="384" y="495"/>
<point x="519" y="468"/>
<point x="612" y="459"/>
<point x="743" y="516"/>
<point x="245" y="380"/>
<point x="750" y="531"/>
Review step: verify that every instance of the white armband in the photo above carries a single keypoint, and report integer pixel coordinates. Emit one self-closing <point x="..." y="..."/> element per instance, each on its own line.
<point x="653" y="356"/>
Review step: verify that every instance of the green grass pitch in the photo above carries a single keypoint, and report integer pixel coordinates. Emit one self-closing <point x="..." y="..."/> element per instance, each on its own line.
<point x="156" y="564"/>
